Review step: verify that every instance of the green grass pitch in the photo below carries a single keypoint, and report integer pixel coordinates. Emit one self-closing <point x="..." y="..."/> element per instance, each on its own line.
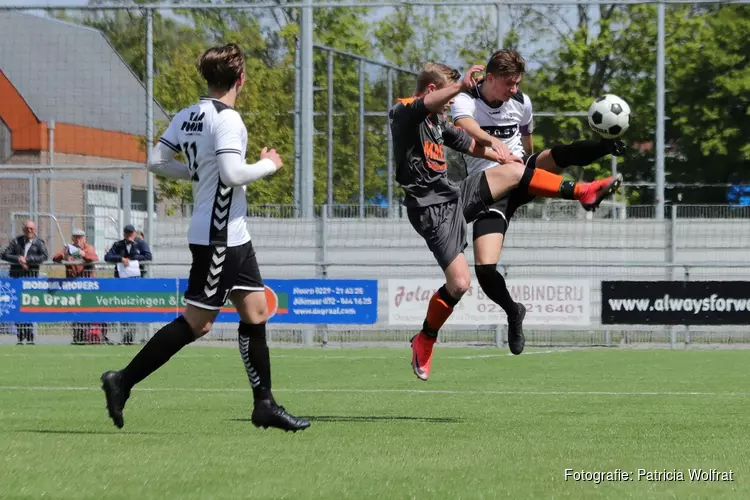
<point x="486" y="425"/>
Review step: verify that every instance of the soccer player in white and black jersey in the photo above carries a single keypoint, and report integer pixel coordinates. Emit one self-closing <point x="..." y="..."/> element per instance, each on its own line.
<point x="496" y="114"/>
<point x="213" y="139"/>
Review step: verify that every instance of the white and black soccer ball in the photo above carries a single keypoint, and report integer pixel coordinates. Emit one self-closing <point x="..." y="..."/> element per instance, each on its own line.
<point x="609" y="116"/>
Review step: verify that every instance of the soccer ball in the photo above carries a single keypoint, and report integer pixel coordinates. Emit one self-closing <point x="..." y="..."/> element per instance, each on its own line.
<point x="609" y="116"/>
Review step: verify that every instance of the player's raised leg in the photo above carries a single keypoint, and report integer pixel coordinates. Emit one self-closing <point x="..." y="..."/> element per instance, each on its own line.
<point x="503" y="178"/>
<point x="579" y="153"/>
<point x="167" y="342"/>
<point x="249" y="298"/>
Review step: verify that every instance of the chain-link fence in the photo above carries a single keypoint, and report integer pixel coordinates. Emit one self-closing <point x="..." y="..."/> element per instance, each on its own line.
<point x="322" y="100"/>
<point x="85" y="90"/>
<point x="60" y="202"/>
<point x="594" y="333"/>
<point x="562" y="246"/>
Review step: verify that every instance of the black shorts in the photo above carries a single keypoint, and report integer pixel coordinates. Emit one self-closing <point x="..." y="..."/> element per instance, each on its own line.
<point x="218" y="270"/>
<point x="443" y="226"/>
<point x="497" y="216"/>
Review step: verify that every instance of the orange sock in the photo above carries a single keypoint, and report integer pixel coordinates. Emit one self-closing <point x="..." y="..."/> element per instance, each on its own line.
<point x="545" y="184"/>
<point x="438" y="312"/>
<point x="549" y="185"/>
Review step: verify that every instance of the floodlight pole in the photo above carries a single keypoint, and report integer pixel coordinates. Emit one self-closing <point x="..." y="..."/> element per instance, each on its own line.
<point x="307" y="124"/>
<point x="660" y="175"/>
<point x="149" y="124"/>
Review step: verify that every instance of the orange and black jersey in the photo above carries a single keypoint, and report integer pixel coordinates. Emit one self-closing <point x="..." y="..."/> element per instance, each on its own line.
<point x="419" y="137"/>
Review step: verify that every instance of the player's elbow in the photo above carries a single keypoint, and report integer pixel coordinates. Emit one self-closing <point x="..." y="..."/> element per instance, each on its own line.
<point x="229" y="179"/>
<point x="157" y="164"/>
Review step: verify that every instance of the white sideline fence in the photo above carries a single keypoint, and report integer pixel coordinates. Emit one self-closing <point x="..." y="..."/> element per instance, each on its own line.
<point x="550" y="241"/>
<point x="384" y="334"/>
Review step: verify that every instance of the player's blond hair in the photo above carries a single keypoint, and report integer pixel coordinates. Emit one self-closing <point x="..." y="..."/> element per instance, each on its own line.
<point x="506" y="62"/>
<point x="222" y="66"/>
<point x="436" y="73"/>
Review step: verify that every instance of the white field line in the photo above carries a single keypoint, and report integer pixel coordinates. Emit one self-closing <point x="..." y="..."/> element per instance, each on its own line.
<point x="394" y="391"/>
<point x="273" y="356"/>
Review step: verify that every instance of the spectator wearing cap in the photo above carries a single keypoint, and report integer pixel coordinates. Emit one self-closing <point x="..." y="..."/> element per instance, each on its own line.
<point x="79" y="254"/>
<point x="128" y="254"/>
<point x="130" y="248"/>
<point x="79" y="257"/>
<point x="25" y="253"/>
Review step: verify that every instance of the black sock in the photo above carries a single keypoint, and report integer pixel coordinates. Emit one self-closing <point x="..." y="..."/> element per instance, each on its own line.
<point x="257" y="360"/>
<point x="493" y="284"/>
<point x="162" y="346"/>
<point x="579" y="153"/>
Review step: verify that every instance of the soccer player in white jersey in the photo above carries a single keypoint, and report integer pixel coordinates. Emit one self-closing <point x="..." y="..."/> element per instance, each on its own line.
<point x="496" y="114"/>
<point x="213" y="139"/>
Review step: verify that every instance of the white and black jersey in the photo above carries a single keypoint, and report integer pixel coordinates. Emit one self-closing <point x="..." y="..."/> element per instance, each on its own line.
<point x="214" y="141"/>
<point x="203" y="132"/>
<point x="509" y="122"/>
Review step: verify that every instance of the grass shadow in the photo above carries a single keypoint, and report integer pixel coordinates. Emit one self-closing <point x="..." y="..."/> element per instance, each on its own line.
<point x="74" y="432"/>
<point x="372" y="418"/>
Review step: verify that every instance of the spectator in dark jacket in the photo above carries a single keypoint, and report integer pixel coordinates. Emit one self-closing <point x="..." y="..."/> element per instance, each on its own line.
<point x="128" y="249"/>
<point x="25" y="253"/>
<point x="124" y="253"/>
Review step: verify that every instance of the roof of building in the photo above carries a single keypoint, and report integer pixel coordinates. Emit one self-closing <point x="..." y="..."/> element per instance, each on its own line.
<point x="71" y="74"/>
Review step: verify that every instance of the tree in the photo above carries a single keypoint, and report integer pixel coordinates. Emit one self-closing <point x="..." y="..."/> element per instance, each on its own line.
<point x="709" y="98"/>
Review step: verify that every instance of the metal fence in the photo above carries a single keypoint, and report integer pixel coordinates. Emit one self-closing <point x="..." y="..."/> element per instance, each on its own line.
<point x="67" y="163"/>
<point x="95" y="201"/>
<point x="554" y="242"/>
<point x="335" y="88"/>
<point x="382" y="333"/>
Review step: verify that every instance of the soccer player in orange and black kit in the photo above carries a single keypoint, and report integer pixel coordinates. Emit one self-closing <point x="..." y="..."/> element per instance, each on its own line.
<point x="438" y="209"/>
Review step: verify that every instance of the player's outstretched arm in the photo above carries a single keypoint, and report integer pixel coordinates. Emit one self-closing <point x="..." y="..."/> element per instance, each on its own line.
<point x="458" y="140"/>
<point x="234" y="172"/>
<point x="479" y="151"/>
<point x="472" y="128"/>
<point x="162" y="162"/>
<point x="437" y="100"/>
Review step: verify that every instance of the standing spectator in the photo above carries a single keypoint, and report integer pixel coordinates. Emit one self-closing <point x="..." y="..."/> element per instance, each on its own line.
<point x="25" y="253"/>
<point x="81" y="258"/>
<point x="128" y="254"/>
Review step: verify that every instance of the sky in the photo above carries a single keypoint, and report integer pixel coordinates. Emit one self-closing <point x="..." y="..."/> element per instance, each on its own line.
<point x="51" y="3"/>
<point x="530" y="42"/>
<point x="529" y="47"/>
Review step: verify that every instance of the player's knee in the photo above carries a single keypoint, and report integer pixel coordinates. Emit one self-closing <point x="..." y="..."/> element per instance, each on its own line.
<point x="514" y="172"/>
<point x="546" y="161"/>
<point x="201" y="329"/>
<point x="459" y="285"/>
<point x="197" y="321"/>
<point x="508" y="175"/>
<point x="258" y="314"/>
<point x="254" y="312"/>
